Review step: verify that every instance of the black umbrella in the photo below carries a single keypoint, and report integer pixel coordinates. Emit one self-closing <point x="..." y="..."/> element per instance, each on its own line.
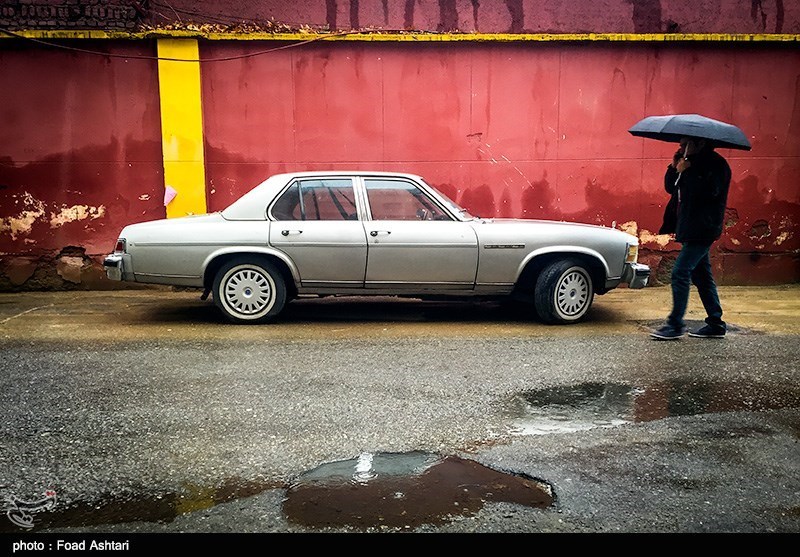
<point x="673" y="127"/>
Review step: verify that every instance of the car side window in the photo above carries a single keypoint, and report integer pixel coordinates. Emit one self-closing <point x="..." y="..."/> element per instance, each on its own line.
<point x="327" y="199"/>
<point x="401" y="200"/>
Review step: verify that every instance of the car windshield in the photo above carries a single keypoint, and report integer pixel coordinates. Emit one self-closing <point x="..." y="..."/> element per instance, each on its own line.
<point x="452" y="205"/>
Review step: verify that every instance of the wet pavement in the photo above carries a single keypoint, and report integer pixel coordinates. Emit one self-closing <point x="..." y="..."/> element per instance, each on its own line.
<point x="143" y="411"/>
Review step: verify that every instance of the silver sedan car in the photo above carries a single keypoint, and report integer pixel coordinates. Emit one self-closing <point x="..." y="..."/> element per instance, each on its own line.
<point x="373" y="233"/>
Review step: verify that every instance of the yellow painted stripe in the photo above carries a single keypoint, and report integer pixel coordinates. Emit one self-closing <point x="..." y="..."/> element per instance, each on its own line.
<point x="182" y="126"/>
<point x="402" y="36"/>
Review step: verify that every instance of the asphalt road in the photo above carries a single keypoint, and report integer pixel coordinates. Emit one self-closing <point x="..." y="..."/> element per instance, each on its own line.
<point x="144" y="412"/>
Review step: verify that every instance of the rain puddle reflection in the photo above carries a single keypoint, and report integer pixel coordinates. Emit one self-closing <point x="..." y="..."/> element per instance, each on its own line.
<point x="401" y="490"/>
<point x="404" y="490"/>
<point x="590" y="405"/>
<point x="135" y="507"/>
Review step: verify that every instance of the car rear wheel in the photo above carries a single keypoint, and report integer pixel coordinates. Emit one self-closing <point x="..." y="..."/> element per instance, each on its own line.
<point x="564" y="292"/>
<point x="249" y="291"/>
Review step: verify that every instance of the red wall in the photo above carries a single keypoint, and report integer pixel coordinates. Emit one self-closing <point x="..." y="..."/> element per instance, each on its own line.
<point x="507" y="129"/>
<point x="80" y="154"/>
<point x="521" y="130"/>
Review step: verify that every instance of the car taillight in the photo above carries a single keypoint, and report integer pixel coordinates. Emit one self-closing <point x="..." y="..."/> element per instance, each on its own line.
<point x="120" y="247"/>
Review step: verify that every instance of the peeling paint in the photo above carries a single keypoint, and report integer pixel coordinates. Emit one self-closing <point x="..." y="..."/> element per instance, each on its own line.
<point x="759" y="230"/>
<point x="23" y="223"/>
<point x="782" y="237"/>
<point x="75" y="213"/>
<point x="731" y="217"/>
<point x="631" y="227"/>
<point x="648" y="237"/>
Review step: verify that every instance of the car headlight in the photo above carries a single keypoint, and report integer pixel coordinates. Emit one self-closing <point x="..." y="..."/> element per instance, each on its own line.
<point x="633" y="254"/>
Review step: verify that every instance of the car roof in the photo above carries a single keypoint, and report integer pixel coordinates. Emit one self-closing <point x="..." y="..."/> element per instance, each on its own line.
<point x="251" y="205"/>
<point x="316" y="173"/>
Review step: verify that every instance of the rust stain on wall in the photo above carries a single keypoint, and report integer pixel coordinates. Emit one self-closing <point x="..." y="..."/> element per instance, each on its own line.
<point x="759" y="14"/>
<point x="646" y="16"/>
<point x="354" y="21"/>
<point x="448" y="16"/>
<point x="408" y="15"/>
<point x="475" y="6"/>
<point x="330" y="14"/>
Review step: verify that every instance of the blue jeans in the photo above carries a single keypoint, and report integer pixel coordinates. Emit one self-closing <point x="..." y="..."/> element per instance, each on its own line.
<point x="693" y="266"/>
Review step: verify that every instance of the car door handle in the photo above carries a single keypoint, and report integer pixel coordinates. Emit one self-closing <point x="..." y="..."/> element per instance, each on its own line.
<point x="287" y="232"/>
<point x="374" y="233"/>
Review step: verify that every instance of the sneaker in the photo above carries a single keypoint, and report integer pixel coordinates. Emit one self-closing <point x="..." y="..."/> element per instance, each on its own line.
<point x="709" y="331"/>
<point x="668" y="332"/>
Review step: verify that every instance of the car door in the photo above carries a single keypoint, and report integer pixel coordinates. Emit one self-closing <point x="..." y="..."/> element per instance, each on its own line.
<point x="316" y="223"/>
<point x="413" y="242"/>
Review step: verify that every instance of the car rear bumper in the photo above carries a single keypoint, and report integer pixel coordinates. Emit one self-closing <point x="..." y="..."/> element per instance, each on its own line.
<point x="114" y="266"/>
<point x="636" y="275"/>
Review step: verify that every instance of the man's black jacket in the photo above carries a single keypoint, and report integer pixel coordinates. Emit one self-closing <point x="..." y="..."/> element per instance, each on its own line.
<point x="696" y="209"/>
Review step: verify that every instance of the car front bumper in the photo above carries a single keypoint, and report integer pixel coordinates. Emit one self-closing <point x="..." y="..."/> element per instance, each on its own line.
<point x="636" y="275"/>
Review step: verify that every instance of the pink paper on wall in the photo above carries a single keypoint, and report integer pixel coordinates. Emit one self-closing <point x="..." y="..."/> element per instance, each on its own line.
<point x="169" y="195"/>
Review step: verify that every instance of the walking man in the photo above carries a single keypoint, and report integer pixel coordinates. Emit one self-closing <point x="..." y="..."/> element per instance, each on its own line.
<point x="697" y="180"/>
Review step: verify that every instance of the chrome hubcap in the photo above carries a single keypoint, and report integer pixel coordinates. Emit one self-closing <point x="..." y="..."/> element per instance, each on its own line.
<point x="572" y="294"/>
<point x="248" y="292"/>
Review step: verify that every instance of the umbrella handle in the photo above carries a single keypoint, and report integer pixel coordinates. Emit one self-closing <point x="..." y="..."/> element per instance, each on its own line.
<point x="678" y="179"/>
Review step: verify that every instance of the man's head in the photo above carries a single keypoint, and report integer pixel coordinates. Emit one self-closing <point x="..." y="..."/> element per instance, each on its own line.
<point x="691" y="145"/>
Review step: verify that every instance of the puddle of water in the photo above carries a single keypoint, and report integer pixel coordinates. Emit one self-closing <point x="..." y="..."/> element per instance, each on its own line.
<point x="136" y="507"/>
<point x="404" y="490"/>
<point x="392" y="490"/>
<point x="591" y="405"/>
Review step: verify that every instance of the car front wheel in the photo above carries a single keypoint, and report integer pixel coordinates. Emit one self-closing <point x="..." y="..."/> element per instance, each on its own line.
<point x="564" y="292"/>
<point x="249" y="291"/>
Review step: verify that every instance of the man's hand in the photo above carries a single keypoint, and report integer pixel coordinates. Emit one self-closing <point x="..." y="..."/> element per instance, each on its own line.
<point x="682" y="165"/>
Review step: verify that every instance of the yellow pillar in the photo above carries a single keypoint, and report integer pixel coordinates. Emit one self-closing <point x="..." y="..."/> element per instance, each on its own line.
<point x="181" y="126"/>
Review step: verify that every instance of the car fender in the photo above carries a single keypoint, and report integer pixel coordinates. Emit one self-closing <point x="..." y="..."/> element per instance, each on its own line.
<point x="244" y="250"/>
<point x="565" y="250"/>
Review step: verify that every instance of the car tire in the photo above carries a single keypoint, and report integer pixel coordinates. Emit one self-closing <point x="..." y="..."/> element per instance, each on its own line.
<point x="564" y="292"/>
<point x="249" y="291"/>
